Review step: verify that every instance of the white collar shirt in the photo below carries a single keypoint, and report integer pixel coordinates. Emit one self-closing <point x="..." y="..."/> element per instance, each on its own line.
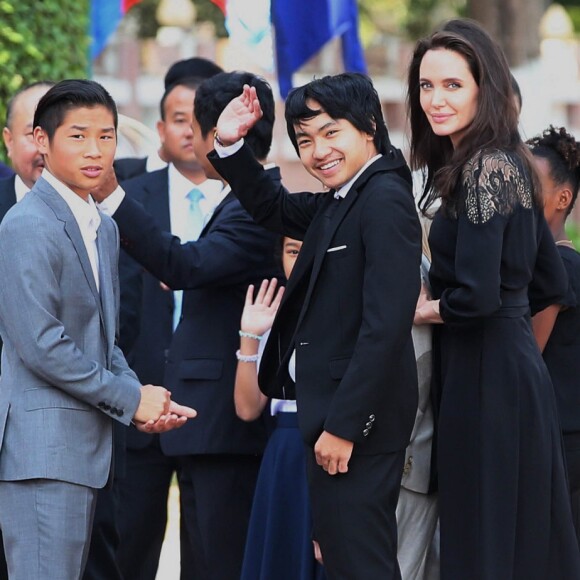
<point x="86" y="215"/>
<point x="20" y="188"/>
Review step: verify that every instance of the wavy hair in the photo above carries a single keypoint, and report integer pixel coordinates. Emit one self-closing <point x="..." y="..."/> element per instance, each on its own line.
<point x="495" y="125"/>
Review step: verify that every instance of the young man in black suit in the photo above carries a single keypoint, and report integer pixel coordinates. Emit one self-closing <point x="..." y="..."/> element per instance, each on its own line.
<point x="218" y="460"/>
<point x="143" y="491"/>
<point x="341" y="342"/>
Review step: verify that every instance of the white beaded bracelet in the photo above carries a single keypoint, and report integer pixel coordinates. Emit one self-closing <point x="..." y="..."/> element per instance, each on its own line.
<point x="249" y="358"/>
<point x="244" y="334"/>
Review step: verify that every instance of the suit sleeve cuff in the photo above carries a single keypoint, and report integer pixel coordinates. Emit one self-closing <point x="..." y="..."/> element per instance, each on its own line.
<point x="229" y="150"/>
<point x="111" y="204"/>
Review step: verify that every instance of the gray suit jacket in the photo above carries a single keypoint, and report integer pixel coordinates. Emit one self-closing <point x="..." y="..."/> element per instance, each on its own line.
<point x="63" y="378"/>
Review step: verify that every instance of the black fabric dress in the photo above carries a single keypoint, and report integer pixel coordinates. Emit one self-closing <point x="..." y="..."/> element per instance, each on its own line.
<point x="562" y="357"/>
<point x="504" y="505"/>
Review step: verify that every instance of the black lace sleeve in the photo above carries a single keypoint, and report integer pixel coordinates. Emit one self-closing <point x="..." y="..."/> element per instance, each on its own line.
<point x="494" y="183"/>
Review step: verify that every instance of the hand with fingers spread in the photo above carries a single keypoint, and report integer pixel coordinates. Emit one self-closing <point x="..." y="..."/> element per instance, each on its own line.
<point x="258" y="314"/>
<point x="239" y="116"/>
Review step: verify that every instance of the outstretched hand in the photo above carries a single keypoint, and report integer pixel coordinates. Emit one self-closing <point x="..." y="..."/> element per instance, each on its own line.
<point x="239" y="116"/>
<point x="176" y="417"/>
<point x="258" y="315"/>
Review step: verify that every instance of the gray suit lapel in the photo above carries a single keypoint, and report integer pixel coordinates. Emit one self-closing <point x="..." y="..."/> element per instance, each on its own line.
<point x="63" y="213"/>
<point x="107" y="299"/>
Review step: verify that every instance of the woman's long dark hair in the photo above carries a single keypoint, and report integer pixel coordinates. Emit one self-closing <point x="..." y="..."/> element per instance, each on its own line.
<point x="495" y="125"/>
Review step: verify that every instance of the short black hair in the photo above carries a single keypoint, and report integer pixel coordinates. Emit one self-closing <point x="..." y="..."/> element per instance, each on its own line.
<point x="14" y="98"/>
<point x="215" y="93"/>
<point x="189" y="82"/>
<point x="70" y="94"/>
<point x="349" y="96"/>
<point x="195" y="67"/>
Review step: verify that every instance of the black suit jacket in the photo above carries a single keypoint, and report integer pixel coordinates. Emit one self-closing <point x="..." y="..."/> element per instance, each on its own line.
<point x="214" y="271"/>
<point x="146" y="331"/>
<point x="128" y="167"/>
<point x="7" y="195"/>
<point x="349" y="304"/>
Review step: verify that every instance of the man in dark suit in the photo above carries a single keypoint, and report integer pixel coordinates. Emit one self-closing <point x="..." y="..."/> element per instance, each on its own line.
<point x="188" y="68"/>
<point x="143" y="492"/>
<point x="218" y="460"/>
<point x="341" y="342"/>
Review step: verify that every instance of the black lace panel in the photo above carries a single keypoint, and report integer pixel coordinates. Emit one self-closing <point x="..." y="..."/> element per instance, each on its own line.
<point x="494" y="183"/>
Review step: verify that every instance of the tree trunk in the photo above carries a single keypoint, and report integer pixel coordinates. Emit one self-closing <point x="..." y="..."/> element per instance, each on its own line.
<point x="513" y="23"/>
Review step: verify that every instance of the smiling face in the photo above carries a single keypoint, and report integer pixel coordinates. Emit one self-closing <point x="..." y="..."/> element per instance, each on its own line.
<point x="448" y="93"/>
<point x="82" y="148"/>
<point x="332" y="150"/>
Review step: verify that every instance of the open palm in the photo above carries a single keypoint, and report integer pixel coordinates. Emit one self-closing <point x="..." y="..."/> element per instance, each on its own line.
<point x="239" y="116"/>
<point x="258" y="315"/>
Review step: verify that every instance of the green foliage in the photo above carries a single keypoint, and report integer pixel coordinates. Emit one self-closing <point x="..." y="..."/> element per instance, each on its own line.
<point x="41" y="40"/>
<point x="574" y="13"/>
<point x="573" y="232"/>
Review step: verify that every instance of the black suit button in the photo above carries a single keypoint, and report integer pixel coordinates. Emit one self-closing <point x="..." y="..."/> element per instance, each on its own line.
<point x="369" y="424"/>
<point x="371" y="418"/>
<point x="120" y="412"/>
<point x="101" y="405"/>
<point x="106" y="407"/>
<point x="366" y="432"/>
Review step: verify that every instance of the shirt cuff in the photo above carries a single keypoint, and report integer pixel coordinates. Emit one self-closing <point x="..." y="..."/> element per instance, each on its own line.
<point x="111" y="204"/>
<point x="229" y="150"/>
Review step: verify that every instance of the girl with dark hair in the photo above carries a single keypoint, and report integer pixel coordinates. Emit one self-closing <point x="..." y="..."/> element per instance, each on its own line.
<point x="557" y="328"/>
<point x="279" y="543"/>
<point x="504" y="507"/>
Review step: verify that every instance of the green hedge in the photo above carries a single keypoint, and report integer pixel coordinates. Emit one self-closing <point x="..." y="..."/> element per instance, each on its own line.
<point x="41" y="40"/>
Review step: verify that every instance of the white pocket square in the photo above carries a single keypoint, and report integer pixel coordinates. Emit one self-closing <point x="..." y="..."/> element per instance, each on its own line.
<point x="336" y="249"/>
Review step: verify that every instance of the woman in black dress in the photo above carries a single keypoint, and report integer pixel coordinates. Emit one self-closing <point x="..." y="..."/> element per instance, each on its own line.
<point x="504" y="507"/>
<point x="557" y="328"/>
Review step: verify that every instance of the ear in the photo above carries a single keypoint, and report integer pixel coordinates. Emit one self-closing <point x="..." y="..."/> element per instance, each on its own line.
<point x="7" y="136"/>
<point x="161" y="130"/>
<point x="564" y="199"/>
<point x="41" y="140"/>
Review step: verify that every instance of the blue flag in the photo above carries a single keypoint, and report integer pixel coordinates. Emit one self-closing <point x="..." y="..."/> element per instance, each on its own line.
<point x="104" y="19"/>
<point x="303" y="27"/>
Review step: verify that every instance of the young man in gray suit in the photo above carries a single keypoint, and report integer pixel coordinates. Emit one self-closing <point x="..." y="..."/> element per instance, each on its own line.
<point x="63" y="378"/>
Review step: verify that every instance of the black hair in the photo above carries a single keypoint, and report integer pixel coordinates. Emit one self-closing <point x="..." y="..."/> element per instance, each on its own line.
<point x="562" y="152"/>
<point x="70" y="94"/>
<point x="189" y="82"/>
<point x="195" y="67"/>
<point x="349" y="96"/>
<point x="14" y="98"/>
<point x="214" y="94"/>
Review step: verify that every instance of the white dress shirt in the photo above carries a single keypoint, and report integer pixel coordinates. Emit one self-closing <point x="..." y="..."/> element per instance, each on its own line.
<point x="86" y="215"/>
<point x="20" y="188"/>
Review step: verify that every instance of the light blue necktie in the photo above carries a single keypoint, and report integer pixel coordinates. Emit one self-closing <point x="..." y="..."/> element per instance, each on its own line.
<point x="194" y="223"/>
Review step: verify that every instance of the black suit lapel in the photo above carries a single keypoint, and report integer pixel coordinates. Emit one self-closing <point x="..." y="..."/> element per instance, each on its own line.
<point x="7" y="195"/>
<point x="106" y="297"/>
<point x="216" y="212"/>
<point x="157" y="203"/>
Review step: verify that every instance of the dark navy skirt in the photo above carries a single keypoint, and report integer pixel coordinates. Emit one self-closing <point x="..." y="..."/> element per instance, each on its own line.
<point x="279" y="543"/>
